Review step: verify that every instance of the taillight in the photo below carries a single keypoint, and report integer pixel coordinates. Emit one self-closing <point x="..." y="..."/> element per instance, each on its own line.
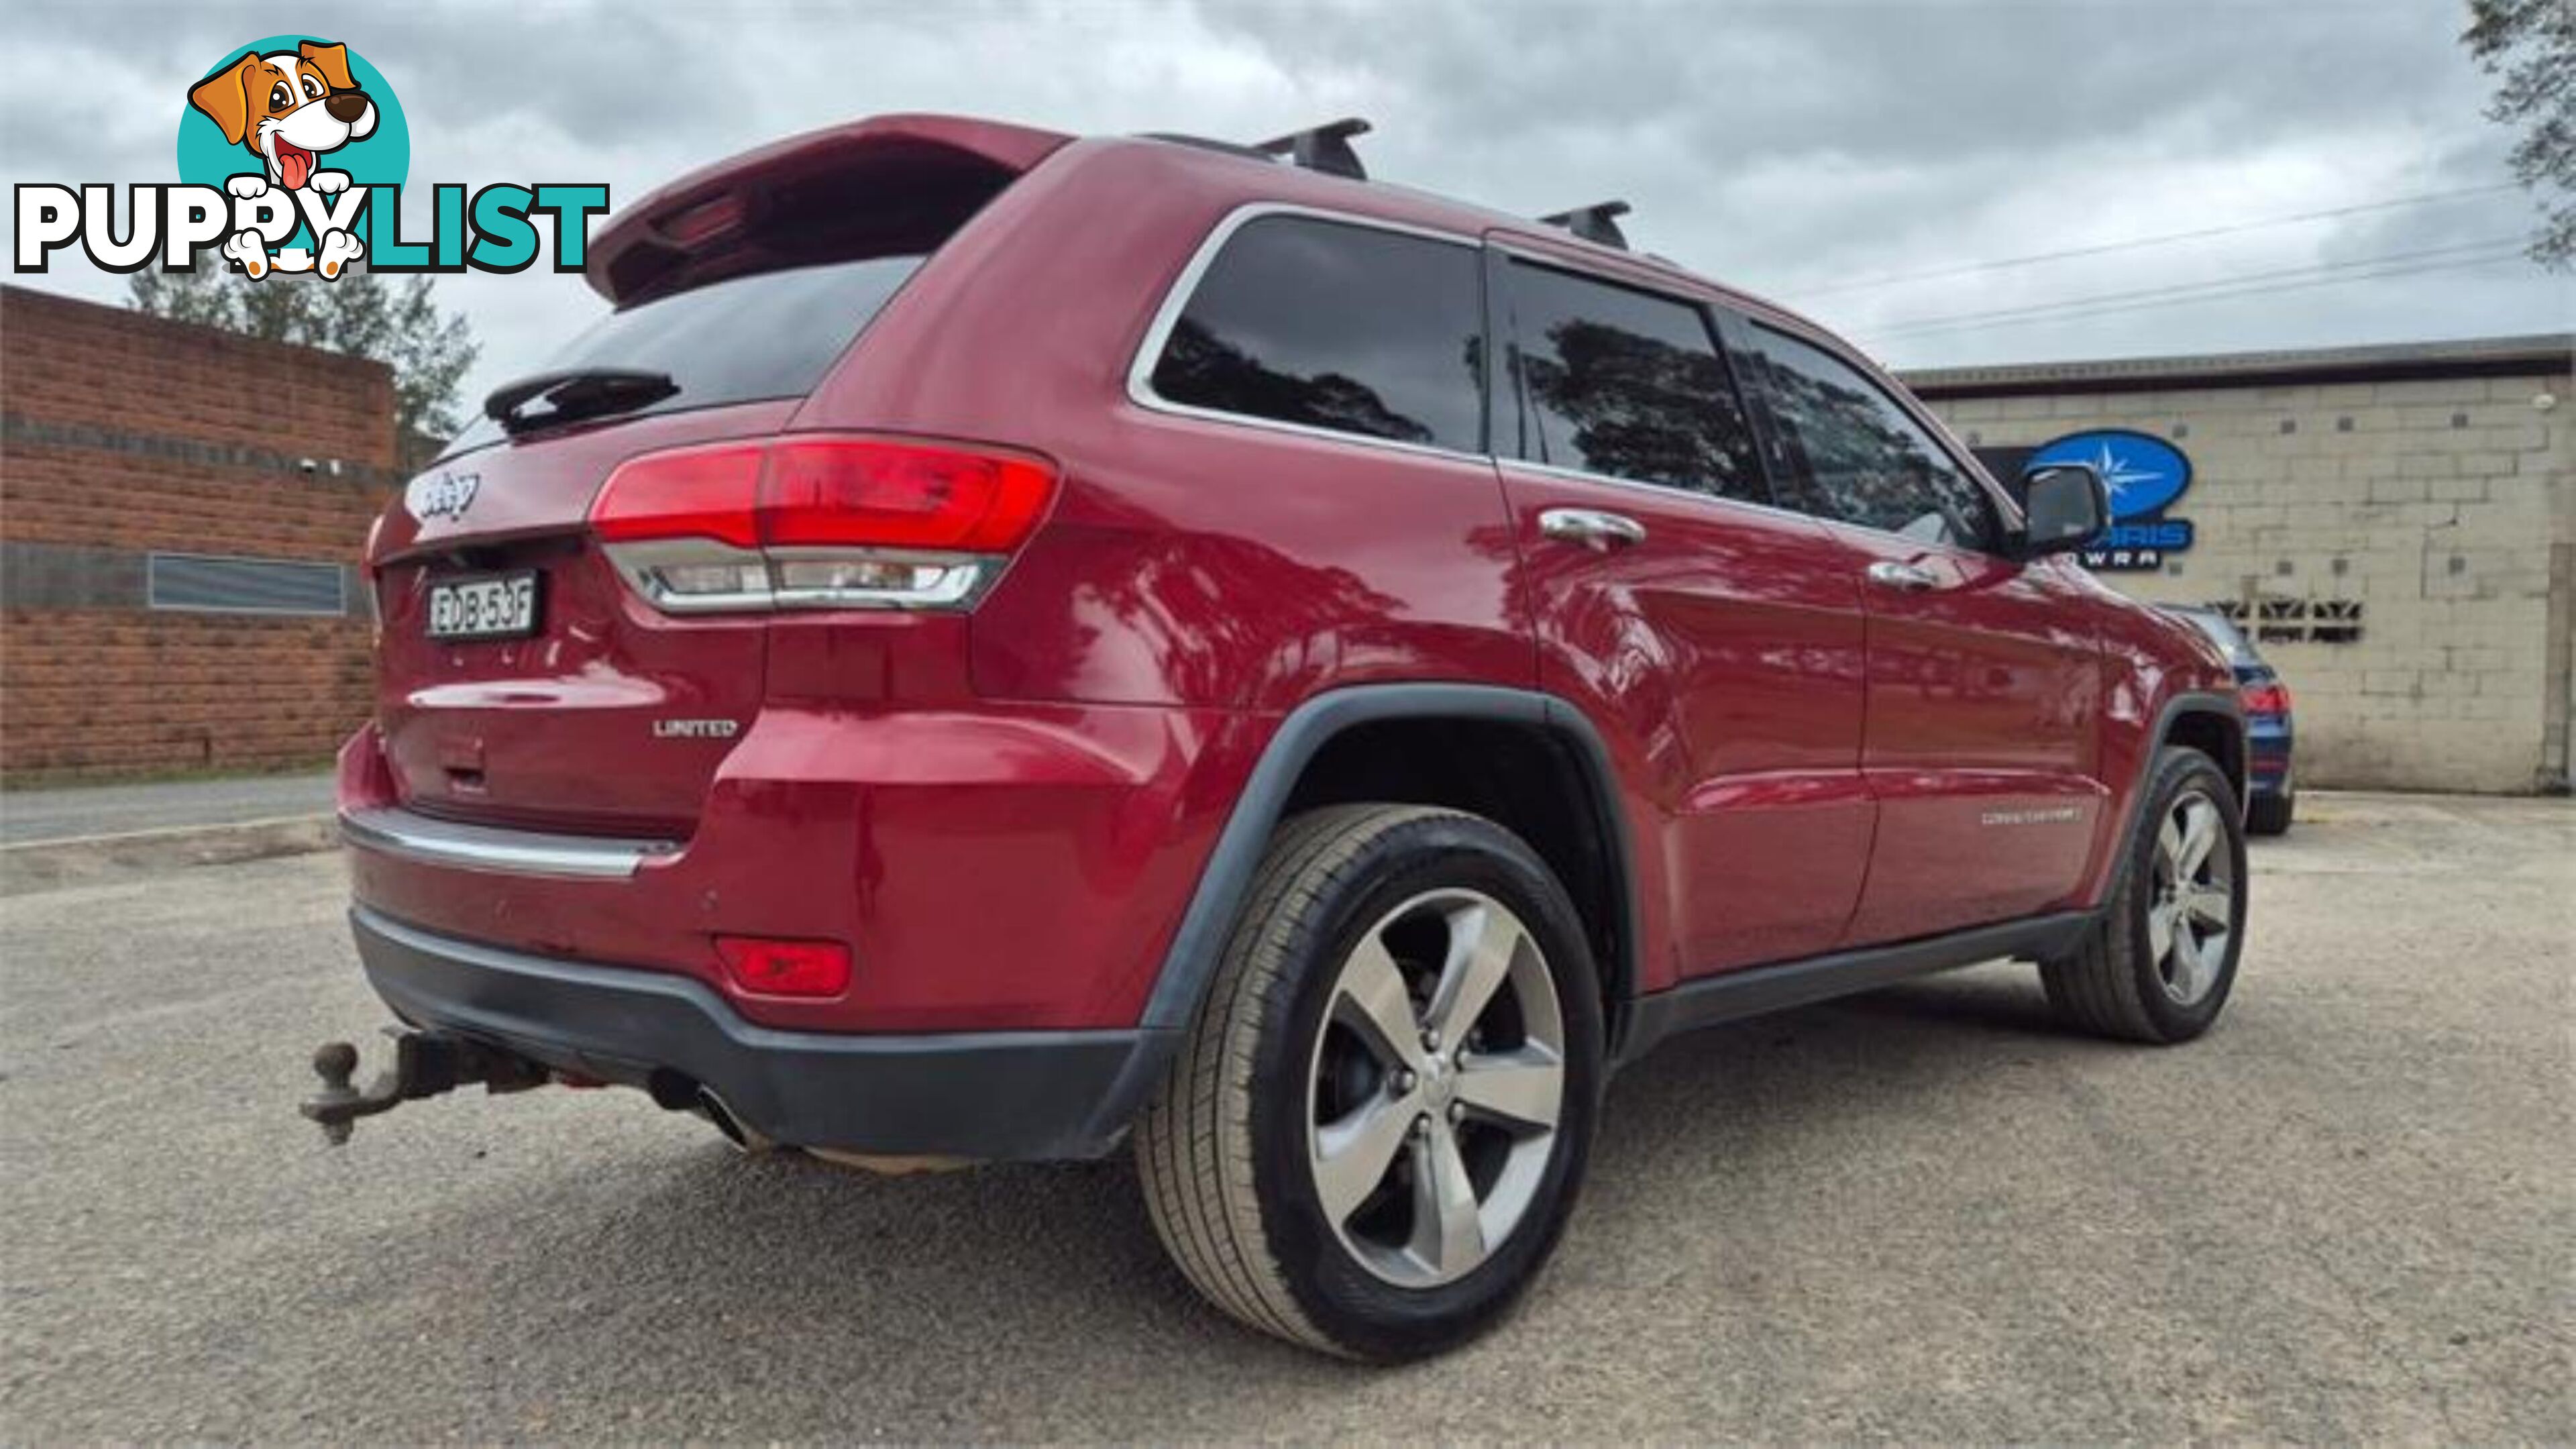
<point x="901" y="495"/>
<point x="710" y="493"/>
<point x="819" y="522"/>
<point x="2271" y="698"/>
<point x="785" y="968"/>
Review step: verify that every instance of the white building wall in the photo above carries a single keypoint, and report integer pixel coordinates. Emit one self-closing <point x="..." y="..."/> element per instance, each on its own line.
<point x="2441" y="505"/>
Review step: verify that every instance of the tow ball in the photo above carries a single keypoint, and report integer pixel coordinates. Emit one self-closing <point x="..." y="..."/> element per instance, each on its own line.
<point x="425" y="1064"/>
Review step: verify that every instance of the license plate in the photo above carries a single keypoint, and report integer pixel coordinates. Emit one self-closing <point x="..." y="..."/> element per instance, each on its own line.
<point x="497" y="606"/>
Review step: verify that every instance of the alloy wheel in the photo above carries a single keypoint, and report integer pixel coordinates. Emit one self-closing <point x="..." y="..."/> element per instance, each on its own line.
<point x="1435" y="1088"/>
<point x="2193" y="908"/>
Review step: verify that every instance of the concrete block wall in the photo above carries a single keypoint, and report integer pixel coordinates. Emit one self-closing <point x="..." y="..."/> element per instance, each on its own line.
<point x="122" y="435"/>
<point x="2441" y="504"/>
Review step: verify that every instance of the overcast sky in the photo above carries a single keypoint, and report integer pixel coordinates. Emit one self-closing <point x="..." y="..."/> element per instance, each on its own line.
<point x="1792" y="148"/>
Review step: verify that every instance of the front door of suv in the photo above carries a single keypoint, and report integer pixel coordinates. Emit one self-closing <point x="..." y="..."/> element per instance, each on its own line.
<point x="1984" y="677"/>
<point x="1713" y="637"/>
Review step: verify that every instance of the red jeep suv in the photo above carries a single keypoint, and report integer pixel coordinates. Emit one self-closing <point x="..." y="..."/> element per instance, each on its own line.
<point x="1000" y="645"/>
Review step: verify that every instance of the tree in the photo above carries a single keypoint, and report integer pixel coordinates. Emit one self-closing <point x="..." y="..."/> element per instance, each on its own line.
<point x="2531" y="46"/>
<point x="391" y="321"/>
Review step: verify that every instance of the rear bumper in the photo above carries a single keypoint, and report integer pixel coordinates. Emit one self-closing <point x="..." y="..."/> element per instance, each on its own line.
<point x="1013" y="868"/>
<point x="1012" y="1095"/>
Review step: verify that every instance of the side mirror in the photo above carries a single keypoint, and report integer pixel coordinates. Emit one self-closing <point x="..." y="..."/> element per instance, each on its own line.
<point x="2065" y="507"/>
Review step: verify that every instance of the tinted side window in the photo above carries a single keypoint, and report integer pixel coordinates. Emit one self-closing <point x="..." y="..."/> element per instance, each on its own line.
<point x="1628" y="384"/>
<point x="1336" y="326"/>
<point x="1865" y="459"/>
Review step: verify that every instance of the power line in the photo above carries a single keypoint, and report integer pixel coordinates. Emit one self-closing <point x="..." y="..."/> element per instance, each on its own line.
<point x="2513" y="253"/>
<point x="2185" y="288"/>
<point x="2217" y="295"/>
<point x="2134" y="243"/>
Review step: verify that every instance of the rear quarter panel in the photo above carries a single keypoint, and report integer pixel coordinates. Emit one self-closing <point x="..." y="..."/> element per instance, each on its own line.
<point x="1209" y="574"/>
<point x="1187" y="561"/>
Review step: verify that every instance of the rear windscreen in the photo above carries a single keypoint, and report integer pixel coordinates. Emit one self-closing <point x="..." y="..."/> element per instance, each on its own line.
<point x="767" y="335"/>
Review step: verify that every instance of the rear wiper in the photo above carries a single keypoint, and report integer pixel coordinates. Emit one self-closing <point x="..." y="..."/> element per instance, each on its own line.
<point x="576" y="392"/>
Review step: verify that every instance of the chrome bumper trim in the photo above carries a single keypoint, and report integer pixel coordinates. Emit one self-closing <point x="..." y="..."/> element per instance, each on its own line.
<point x="399" y="832"/>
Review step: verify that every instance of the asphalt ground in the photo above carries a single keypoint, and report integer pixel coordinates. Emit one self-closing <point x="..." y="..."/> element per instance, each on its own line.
<point x="2348" y="1213"/>
<point x="70" y="812"/>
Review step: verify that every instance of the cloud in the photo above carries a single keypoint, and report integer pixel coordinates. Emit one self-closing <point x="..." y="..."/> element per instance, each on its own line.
<point x="1784" y="147"/>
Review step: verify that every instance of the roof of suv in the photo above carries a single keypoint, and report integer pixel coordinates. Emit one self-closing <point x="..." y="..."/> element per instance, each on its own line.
<point x="1263" y="179"/>
<point x="662" y="219"/>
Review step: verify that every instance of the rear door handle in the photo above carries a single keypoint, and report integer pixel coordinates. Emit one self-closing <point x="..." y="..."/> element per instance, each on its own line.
<point x="1904" y="577"/>
<point x="1591" y="527"/>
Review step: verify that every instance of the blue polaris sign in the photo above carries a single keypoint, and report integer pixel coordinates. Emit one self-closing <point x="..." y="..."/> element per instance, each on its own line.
<point x="2144" y="474"/>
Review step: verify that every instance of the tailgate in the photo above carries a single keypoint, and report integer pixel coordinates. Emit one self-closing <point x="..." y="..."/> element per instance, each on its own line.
<point x="737" y="290"/>
<point x="608" y="717"/>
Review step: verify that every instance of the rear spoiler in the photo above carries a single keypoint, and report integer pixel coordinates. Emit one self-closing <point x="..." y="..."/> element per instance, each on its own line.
<point x="873" y="188"/>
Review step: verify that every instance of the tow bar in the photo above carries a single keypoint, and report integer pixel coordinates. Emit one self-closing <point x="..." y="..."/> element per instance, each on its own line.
<point x="426" y="1063"/>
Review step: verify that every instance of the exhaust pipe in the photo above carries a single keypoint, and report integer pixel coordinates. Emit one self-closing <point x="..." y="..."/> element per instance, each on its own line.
<point x="745" y="1140"/>
<point x="673" y="1092"/>
<point x="676" y="1093"/>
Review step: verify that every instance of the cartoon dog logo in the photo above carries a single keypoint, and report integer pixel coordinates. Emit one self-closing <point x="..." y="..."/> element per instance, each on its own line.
<point x="289" y="108"/>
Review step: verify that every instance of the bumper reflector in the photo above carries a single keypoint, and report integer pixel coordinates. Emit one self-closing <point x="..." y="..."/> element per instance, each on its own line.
<point x="785" y="968"/>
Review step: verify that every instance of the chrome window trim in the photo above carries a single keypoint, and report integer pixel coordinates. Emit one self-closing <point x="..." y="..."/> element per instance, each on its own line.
<point x="1176" y="299"/>
<point x="391" y="830"/>
<point x="1666" y="491"/>
<point x="2008" y="512"/>
<point x="1167" y="315"/>
<point x="1669" y="491"/>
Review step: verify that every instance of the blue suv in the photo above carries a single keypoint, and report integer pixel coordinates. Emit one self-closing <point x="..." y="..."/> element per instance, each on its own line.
<point x="2271" y="792"/>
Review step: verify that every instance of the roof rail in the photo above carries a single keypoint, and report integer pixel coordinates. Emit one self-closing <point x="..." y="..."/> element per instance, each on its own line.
<point x="1595" y="223"/>
<point x="1325" y="148"/>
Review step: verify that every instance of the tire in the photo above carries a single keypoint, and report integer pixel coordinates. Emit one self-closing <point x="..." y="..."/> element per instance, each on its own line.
<point x="2270" y="814"/>
<point x="2155" y="968"/>
<point x="1288" y="1089"/>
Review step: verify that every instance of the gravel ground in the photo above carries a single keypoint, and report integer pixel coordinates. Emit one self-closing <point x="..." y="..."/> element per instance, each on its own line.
<point x="1924" y="1215"/>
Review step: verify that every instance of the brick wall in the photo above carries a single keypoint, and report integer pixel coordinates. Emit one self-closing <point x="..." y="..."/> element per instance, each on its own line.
<point x="2441" y="504"/>
<point x="122" y="435"/>
<point x="110" y="692"/>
